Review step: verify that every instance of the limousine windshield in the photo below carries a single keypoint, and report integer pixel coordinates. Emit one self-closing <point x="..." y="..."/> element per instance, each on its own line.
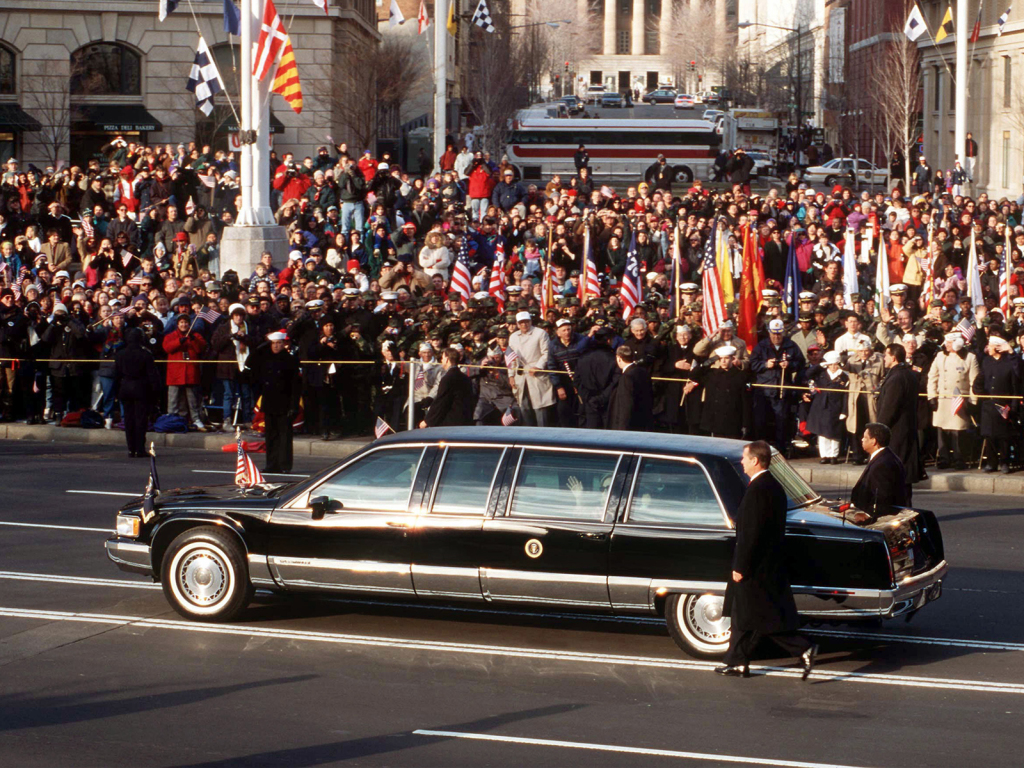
<point x="800" y="494"/>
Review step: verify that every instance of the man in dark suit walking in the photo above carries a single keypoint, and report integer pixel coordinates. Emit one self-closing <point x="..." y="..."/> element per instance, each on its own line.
<point x="882" y="487"/>
<point x="453" y="404"/>
<point x="896" y="407"/>
<point x="632" y="402"/>
<point x="758" y="597"/>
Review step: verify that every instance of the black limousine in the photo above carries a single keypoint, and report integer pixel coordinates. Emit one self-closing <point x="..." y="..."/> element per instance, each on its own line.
<point x="619" y="522"/>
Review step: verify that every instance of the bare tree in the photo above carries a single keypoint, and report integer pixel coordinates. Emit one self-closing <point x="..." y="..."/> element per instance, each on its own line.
<point x="497" y="73"/>
<point x="365" y="92"/>
<point x="695" y="34"/>
<point x="895" y="100"/>
<point x="48" y="100"/>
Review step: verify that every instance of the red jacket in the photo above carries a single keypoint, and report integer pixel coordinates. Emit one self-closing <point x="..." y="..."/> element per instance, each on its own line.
<point x="291" y="188"/>
<point x="368" y="167"/>
<point x="176" y="346"/>
<point x="481" y="182"/>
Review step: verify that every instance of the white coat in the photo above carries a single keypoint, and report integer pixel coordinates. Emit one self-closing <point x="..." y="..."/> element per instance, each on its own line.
<point x="950" y="371"/>
<point x="532" y="348"/>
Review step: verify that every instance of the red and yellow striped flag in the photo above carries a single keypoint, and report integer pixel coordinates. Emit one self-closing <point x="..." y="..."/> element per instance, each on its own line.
<point x="286" y="82"/>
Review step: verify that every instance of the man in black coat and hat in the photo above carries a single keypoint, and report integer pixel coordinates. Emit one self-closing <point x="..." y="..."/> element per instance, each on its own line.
<point x="596" y="374"/>
<point x="137" y="384"/>
<point x="276" y="383"/>
<point x="881" y="488"/>
<point x="453" y="403"/>
<point x="758" y="597"/>
<point x="632" y="401"/>
<point x="896" y="407"/>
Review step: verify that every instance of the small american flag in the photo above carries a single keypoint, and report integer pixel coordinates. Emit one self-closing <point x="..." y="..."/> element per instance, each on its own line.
<point x="16" y="290"/>
<point x="382" y="428"/>
<point x="420" y="379"/>
<point x="246" y="473"/>
<point x="209" y="315"/>
<point x="496" y="286"/>
<point x="508" y="418"/>
<point x="87" y="229"/>
<point x="462" y="279"/>
<point x="958" y="401"/>
<point x="966" y="329"/>
<point x="511" y="358"/>
<point x="1004" y="411"/>
<point x="632" y="287"/>
<point x="137" y="280"/>
<point x="126" y="256"/>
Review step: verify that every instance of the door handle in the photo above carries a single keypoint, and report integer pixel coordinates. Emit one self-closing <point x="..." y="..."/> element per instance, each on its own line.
<point x="397" y="524"/>
<point x="594" y="536"/>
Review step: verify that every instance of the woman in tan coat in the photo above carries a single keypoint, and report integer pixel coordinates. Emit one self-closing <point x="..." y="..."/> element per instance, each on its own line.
<point x="953" y="371"/>
<point x="865" y="370"/>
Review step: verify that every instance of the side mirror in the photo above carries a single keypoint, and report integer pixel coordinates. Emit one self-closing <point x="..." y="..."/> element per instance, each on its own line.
<point x="321" y="505"/>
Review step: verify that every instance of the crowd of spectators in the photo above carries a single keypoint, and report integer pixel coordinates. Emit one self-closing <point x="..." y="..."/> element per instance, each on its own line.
<point x="132" y="241"/>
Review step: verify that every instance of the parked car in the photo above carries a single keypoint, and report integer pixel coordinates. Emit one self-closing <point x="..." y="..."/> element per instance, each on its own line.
<point x="763" y="163"/>
<point x="612" y="99"/>
<point x="566" y="519"/>
<point x="594" y="94"/>
<point x="573" y="103"/>
<point x="685" y="101"/>
<point x="660" y="96"/>
<point x="713" y="115"/>
<point x="838" y="171"/>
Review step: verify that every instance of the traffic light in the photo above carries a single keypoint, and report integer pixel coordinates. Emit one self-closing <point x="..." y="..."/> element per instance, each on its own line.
<point x="693" y="66"/>
<point x="567" y="66"/>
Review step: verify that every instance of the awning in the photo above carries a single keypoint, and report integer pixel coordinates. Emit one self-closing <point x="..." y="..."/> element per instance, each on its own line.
<point x="113" y="118"/>
<point x="14" y="118"/>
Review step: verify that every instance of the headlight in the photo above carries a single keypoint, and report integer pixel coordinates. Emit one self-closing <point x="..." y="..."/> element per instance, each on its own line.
<point x="128" y="525"/>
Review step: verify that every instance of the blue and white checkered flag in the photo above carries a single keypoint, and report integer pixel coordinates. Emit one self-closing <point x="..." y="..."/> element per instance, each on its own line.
<point x="204" y="79"/>
<point x="482" y="16"/>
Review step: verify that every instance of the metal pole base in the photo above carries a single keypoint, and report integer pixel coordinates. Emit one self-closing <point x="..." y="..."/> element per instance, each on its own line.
<point x="241" y="248"/>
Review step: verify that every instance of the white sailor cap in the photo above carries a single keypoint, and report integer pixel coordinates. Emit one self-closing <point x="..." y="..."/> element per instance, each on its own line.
<point x="899" y="288"/>
<point x="831" y="357"/>
<point x="726" y="350"/>
<point x="689" y="288"/>
<point x="314" y="304"/>
<point x="277" y="336"/>
<point x="389" y="296"/>
<point x="805" y="296"/>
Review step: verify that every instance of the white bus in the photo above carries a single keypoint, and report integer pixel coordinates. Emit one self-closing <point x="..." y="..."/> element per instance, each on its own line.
<point x="619" y="149"/>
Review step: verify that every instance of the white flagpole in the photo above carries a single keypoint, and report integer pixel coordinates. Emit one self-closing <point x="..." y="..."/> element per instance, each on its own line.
<point x="246" y="215"/>
<point x="962" y="37"/>
<point x="440" y="76"/>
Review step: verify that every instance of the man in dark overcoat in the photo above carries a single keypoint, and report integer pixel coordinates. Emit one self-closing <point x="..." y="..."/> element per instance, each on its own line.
<point x="881" y="488"/>
<point x="725" y="410"/>
<point x="453" y="404"/>
<point x="632" y="401"/>
<point x="896" y="407"/>
<point x="276" y="383"/>
<point x="595" y="378"/>
<point x="758" y="597"/>
<point x="999" y="377"/>
<point x="137" y="384"/>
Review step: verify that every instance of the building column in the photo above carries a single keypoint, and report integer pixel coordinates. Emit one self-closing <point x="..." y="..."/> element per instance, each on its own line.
<point x="609" y="27"/>
<point x="637" y="35"/>
<point x="665" y="28"/>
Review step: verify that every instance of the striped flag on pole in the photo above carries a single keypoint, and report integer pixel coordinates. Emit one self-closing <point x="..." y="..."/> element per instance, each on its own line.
<point x="496" y="287"/>
<point x="973" y="275"/>
<point x="966" y="329"/>
<point x="462" y="280"/>
<point x="246" y="473"/>
<point x="1003" y="19"/>
<point x="958" y="401"/>
<point x="508" y="418"/>
<point x="511" y="358"/>
<point x="87" y="228"/>
<point x="881" y="274"/>
<point x="1004" y="411"/>
<point x="270" y="43"/>
<point x="713" y="312"/>
<point x="590" y="285"/>
<point x="381" y="428"/>
<point x="1004" y="278"/>
<point x="204" y="79"/>
<point x="286" y="81"/>
<point x="632" y="289"/>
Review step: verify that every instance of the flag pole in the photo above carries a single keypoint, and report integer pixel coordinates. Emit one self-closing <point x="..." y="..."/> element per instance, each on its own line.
<point x="440" y="77"/>
<point x="411" y="421"/>
<point x="246" y="214"/>
<point x="962" y="33"/>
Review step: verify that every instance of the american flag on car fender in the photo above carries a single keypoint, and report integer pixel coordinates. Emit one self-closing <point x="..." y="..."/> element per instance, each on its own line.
<point x="246" y="473"/>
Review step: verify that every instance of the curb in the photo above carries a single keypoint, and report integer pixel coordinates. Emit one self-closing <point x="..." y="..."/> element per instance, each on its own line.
<point x="845" y="476"/>
<point x="302" y="446"/>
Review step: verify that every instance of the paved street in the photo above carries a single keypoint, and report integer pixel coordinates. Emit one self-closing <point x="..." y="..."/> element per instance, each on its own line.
<point x="97" y="669"/>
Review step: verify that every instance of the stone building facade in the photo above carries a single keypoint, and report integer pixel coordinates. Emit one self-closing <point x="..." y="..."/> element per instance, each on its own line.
<point x="79" y="73"/>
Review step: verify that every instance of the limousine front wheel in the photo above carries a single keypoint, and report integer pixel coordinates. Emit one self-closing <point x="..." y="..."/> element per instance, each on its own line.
<point x="205" y="575"/>
<point x="697" y="625"/>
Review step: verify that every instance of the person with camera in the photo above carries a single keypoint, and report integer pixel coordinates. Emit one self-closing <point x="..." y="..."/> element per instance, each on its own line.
<point x="64" y="335"/>
<point x="232" y="344"/>
<point x="183" y="345"/>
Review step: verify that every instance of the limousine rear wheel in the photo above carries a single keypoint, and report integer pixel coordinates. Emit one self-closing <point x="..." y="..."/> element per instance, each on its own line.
<point x="697" y="625"/>
<point x="205" y="576"/>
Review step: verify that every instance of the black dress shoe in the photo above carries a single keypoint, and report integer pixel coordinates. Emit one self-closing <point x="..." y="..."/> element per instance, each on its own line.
<point x="825" y="461"/>
<point x="733" y="671"/>
<point x="808" y="658"/>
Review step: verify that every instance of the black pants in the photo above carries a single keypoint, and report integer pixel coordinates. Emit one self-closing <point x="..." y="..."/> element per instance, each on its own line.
<point x="949" y="445"/>
<point x="594" y="419"/>
<point x="279" y="442"/>
<point x="772" y="419"/>
<point x="742" y="645"/>
<point x="998" y="450"/>
<point x="136" y="419"/>
<point x="566" y="410"/>
<point x="330" y="410"/>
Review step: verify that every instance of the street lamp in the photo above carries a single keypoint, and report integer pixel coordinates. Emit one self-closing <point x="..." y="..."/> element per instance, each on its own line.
<point x="555" y="24"/>
<point x="799" y="75"/>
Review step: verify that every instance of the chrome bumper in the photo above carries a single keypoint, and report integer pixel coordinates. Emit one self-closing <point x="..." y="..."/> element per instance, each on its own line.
<point x="129" y="555"/>
<point x="914" y="592"/>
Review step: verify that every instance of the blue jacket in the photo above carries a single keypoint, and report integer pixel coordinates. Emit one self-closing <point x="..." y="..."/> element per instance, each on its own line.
<point x="506" y="196"/>
<point x="765" y="351"/>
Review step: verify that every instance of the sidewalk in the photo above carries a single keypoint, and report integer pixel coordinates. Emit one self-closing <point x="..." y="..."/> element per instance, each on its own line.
<point x="841" y="476"/>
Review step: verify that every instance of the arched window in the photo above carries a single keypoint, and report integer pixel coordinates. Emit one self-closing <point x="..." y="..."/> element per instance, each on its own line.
<point x="7" y="82"/>
<point x="105" y="69"/>
<point x="228" y="61"/>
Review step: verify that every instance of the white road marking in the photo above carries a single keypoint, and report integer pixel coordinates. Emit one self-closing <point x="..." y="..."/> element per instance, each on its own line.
<point x="58" y="527"/>
<point x="92" y="582"/>
<point x="707" y="756"/>
<point x="888" y="637"/>
<point x="231" y="472"/>
<point x="108" y="493"/>
<point x="976" y="686"/>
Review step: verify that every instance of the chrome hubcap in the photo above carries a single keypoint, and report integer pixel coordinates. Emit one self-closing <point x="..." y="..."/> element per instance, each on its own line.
<point x="203" y="577"/>
<point x="703" y="617"/>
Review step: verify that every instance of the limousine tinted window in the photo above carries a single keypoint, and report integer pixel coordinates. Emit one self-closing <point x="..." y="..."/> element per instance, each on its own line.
<point x="380" y="481"/>
<point x="553" y="484"/>
<point x="673" y="492"/>
<point x="465" y="480"/>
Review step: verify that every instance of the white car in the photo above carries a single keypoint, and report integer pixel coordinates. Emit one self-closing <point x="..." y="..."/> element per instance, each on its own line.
<point x="838" y="171"/>
<point x="684" y="101"/>
<point x="713" y="115"/>
<point x="594" y="94"/>
<point x="763" y="163"/>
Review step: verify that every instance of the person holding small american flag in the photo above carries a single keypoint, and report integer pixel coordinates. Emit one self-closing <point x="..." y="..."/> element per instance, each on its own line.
<point x="999" y="375"/>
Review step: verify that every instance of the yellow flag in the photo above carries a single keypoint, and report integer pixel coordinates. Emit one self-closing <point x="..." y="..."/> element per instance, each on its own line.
<point x="946" y="27"/>
<point x="453" y="28"/>
<point x="724" y="264"/>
